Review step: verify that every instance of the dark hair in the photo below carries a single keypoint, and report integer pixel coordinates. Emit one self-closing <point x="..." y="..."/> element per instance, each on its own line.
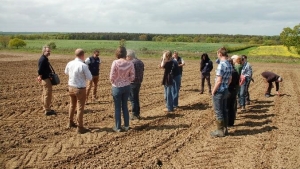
<point x="96" y="51"/>
<point x="121" y="52"/>
<point x="223" y="51"/>
<point x="206" y="59"/>
<point x="244" y="57"/>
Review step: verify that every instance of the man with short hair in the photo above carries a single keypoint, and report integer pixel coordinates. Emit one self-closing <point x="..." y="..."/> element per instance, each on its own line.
<point x="177" y="79"/>
<point x="94" y="66"/>
<point x="135" y="84"/>
<point x="269" y="78"/>
<point x="78" y="73"/>
<point x="220" y="93"/>
<point x="44" y="72"/>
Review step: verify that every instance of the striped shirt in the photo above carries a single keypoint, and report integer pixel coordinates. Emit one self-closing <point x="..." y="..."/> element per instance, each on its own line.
<point x="224" y="70"/>
<point x="122" y="73"/>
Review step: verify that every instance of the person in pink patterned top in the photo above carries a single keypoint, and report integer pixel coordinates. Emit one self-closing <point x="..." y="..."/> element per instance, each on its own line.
<point x="122" y="73"/>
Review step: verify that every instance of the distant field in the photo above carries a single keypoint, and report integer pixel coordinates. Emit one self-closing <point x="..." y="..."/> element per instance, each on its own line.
<point x="144" y="48"/>
<point x="273" y="51"/>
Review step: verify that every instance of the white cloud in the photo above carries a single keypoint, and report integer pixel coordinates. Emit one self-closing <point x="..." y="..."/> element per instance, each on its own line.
<point x="259" y="17"/>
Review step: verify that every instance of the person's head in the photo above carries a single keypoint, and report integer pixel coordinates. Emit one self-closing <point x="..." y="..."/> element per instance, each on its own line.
<point x="204" y="57"/>
<point x="167" y="55"/>
<point x="230" y="61"/>
<point x="96" y="53"/>
<point x="175" y="54"/>
<point x="238" y="60"/>
<point x="121" y="52"/>
<point x="130" y="55"/>
<point x="244" y="59"/>
<point x="46" y="51"/>
<point x="79" y="53"/>
<point x="279" y="79"/>
<point x="222" y="52"/>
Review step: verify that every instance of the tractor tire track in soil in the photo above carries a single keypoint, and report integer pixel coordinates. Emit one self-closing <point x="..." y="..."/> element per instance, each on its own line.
<point x="265" y="136"/>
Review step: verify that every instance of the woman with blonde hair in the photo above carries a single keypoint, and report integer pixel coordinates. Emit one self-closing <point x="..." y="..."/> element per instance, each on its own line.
<point x="171" y="71"/>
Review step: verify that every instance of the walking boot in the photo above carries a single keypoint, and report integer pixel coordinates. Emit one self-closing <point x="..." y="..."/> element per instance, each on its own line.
<point x="219" y="132"/>
<point x="82" y="130"/>
<point x="226" y="126"/>
<point x="71" y="124"/>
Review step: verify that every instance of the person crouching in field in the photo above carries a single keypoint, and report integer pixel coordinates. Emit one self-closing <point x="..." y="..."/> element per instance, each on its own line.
<point x="78" y="73"/>
<point x="206" y="66"/>
<point x="269" y="78"/>
<point x="122" y="73"/>
<point x="170" y="72"/>
<point x="231" y="100"/>
<point x="135" y="84"/>
<point x="220" y="92"/>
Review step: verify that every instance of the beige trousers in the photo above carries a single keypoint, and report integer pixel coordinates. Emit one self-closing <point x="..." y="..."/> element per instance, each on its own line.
<point x="89" y="87"/>
<point x="77" y="99"/>
<point x="47" y="94"/>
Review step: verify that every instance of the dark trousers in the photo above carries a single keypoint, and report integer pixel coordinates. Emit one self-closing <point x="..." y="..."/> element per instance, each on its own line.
<point x="231" y="107"/>
<point x="134" y="98"/>
<point x="207" y="78"/>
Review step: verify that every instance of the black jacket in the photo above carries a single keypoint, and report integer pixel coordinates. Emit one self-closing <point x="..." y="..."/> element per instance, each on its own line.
<point x="44" y="67"/>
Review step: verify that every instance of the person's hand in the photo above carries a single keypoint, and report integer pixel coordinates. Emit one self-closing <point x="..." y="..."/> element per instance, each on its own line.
<point x="212" y="93"/>
<point x="39" y="79"/>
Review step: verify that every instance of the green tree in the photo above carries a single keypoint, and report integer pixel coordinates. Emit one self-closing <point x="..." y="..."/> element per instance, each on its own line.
<point x="4" y="41"/>
<point x="52" y="45"/>
<point x="16" y="42"/>
<point x="291" y="37"/>
<point x="143" y="37"/>
<point x="122" y="43"/>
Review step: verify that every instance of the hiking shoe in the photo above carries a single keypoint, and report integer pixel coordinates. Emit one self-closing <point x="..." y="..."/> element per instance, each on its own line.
<point x="243" y="108"/>
<point x="134" y="117"/>
<point x="51" y="112"/>
<point x="166" y="110"/>
<point x="217" y="133"/>
<point x="125" y="128"/>
<point x="82" y="130"/>
<point x="116" y="130"/>
<point x="201" y="92"/>
<point x="71" y="124"/>
<point x="267" y="95"/>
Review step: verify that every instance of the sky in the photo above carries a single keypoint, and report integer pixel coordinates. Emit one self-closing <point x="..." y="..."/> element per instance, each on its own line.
<point x="247" y="17"/>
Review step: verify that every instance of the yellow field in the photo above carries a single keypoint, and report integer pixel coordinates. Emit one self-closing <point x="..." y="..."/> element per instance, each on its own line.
<point x="273" y="51"/>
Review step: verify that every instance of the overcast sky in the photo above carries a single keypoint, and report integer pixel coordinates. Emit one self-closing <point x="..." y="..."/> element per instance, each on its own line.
<point x="250" y="17"/>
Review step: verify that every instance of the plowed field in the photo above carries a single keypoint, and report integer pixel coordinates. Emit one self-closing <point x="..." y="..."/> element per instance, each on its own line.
<point x="265" y="136"/>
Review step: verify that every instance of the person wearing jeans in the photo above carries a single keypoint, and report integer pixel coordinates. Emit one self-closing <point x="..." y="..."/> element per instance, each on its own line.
<point x="220" y="93"/>
<point x="122" y="73"/>
<point x="177" y="77"/>
<point x="168" y="80"/>
<point x="78" y="73"/>
<point x="135" y="84"/>
<point x="244" y="89"/>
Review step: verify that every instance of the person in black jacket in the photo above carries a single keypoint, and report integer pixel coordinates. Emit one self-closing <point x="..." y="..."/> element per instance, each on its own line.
<point x="44" y="72"/>
<point x="233" y="90"/>
<point x="271" y="77"/>
<point x="206" y="67"/>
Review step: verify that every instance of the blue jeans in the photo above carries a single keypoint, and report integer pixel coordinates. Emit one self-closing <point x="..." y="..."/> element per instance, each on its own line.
<point x="175" y="90"/>
<point x="244" y="94"/>
<point x="134" y="98"/>
<point x="169" y="97"/>
<point x="120" y="96"/>
<point x="220" y="104"/>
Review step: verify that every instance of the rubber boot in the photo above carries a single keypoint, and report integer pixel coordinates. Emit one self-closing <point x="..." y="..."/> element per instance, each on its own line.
<point x="226" y="126"/>
<point x="219" y="132"/>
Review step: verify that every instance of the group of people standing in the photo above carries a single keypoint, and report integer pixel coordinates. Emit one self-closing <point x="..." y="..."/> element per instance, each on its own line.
<point x="233" y="76"/>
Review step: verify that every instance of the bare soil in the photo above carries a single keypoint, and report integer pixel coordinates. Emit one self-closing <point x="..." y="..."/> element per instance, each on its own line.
<point x="265" y="136"/>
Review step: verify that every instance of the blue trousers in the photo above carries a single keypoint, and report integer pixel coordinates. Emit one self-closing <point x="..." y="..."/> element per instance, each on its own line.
<point x="134" y="98"/>
<point x="175" y="90"/>
<point x="120" y="96"/>
<point x="169" y="97"/>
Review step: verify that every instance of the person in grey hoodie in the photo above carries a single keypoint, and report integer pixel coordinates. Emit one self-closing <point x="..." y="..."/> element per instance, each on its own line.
<point x="206" y="67"/>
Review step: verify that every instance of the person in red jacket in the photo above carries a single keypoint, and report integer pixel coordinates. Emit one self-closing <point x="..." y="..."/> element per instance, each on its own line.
<point x="271" y="77"/>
